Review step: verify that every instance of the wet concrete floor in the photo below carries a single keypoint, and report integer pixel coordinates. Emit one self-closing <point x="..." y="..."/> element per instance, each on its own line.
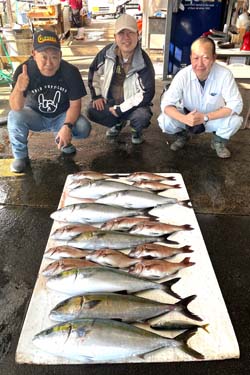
<point x="219" y="191"/>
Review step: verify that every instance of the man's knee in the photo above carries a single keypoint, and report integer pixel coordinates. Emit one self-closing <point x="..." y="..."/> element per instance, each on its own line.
<point x="83" y="127"/>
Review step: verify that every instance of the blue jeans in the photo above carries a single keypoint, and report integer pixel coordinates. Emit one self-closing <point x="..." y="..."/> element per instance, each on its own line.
<point x="20" y="122"/>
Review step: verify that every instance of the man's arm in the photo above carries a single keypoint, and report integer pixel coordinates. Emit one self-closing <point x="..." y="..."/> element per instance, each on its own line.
<point x="64" y="135"/>
<point x="17" y="98"/>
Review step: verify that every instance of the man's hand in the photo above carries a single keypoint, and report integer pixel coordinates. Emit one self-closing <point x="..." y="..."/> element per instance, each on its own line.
<point x="194" y="118"/>
<point x="99" y="104"/>
<point x="113" y="111"/>
<point x="63" y="137"/>
<point x="23" y="79"/>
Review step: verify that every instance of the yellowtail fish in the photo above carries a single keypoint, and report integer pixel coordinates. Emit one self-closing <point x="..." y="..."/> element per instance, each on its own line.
<point x="135" y="199"/>
<point x="176" y="325"/>
<point x="92" y="213"/>
<point x="106" y="340"/>
<point x="104" y="279"/>
<point x="96" y="189"/>
<point x="153" y="250"/>
<point x="112" y="240"/>
<point x="155" y="269"/>
<point x="127" y="308"/>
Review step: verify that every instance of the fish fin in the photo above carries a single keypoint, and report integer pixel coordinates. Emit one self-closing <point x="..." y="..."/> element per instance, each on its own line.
<point x="183" y="338"/>
<point x="170" y="178"/>
<point x="167" y="285"/>
<point x="167" y="241"/>
<point x="186" y="203"/>
<point x="143" y="355"/>
<point x="184" y="308"/>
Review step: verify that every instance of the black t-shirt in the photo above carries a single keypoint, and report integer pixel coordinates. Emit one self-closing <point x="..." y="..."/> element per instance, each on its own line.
<point x="50" y="96"/>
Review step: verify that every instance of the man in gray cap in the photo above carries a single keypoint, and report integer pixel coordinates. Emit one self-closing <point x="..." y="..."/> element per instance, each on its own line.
<point x="122" y="83"/>
<point x="46" y="96"/>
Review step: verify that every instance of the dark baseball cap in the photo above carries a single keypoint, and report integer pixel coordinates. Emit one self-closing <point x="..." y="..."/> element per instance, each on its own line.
<point x="44" y="39"/>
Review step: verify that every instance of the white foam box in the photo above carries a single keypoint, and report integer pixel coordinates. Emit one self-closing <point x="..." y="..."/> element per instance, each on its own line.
<point x="200" y="279"/>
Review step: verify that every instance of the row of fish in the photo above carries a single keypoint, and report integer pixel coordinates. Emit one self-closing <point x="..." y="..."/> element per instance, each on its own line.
<point x="89" y="266"/>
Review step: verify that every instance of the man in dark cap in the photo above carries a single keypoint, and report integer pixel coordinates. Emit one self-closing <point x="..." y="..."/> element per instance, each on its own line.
<point x="122" y="83"/>
<point x="46" y="96"/>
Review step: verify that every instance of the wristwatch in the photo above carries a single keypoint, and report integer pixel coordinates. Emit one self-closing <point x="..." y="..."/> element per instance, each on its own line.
<point x="206" y="119"/>
<point x="69" y="125"/>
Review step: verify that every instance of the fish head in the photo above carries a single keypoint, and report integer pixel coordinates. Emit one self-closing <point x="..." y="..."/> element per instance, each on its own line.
<point x="136" y="269"/>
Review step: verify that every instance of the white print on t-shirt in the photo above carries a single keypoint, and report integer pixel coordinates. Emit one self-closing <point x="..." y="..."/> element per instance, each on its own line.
<point x="48" y="105"/>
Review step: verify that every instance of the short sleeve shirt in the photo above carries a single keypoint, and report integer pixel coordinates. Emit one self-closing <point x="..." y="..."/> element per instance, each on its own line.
<point x="51" y="96"/>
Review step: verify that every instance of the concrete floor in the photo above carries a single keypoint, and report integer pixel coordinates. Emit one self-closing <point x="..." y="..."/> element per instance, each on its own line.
<point x="219" y="191"/>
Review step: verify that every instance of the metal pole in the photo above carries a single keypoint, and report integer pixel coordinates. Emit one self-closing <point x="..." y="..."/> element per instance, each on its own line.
<point x="9" y="12"/>
<point x="167" y="38"/>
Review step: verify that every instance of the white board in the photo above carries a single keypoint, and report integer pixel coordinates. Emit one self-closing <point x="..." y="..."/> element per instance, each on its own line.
<point x="200" y="279"/>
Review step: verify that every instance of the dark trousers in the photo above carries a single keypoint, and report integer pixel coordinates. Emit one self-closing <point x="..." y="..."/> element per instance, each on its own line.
<point x="139" y="117"/>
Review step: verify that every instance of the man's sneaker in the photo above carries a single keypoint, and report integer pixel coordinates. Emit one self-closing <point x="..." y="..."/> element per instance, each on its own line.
<point x="69" y="149"/>
<point x="221" y="149"/>
<point x="182" y="138"/>
<point x="19" y="165"/>
<point x="136" y="138"/>
<point x="115" y="130"/>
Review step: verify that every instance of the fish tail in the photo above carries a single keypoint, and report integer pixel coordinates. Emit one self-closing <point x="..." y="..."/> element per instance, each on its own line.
<point x="166" y="240"/>
<point x="171" y="178"/>
<point x="183" y="338"/>
<point x="187" y="227"/>
<point x="186" y="203"/>
<point x="167" y="287"/>
<point x="146" y="212"/>
<point x="177" y="186"/>
<point x="186" y="262"/>
<point x="186" y="249"/>
<point x="204" y="326"/>
<point x="182" y="306"/>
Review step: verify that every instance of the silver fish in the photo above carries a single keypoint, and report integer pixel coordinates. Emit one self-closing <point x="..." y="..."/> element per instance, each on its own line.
<point x="153" y="250"/>
<point x="105" y="340"/>
<point x="155" y="185"/>
<point x="111" y="258"/>
<point x="152" y="228"/>
<point x="178" y="325"/>
<point x="65" y="264"/>
<point x="96" y="189"/>
<point x="103" y="279"/>
<point x="158" y="269"/>
<point x="70" y="231"/>
<point x="112" y="240"/>
<point x="127" y="308"/>
<point x="135" y="199"/>
<point x="92" y="213"/>
<point x="59" y="252"/>
<point x="139" y="176"/>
